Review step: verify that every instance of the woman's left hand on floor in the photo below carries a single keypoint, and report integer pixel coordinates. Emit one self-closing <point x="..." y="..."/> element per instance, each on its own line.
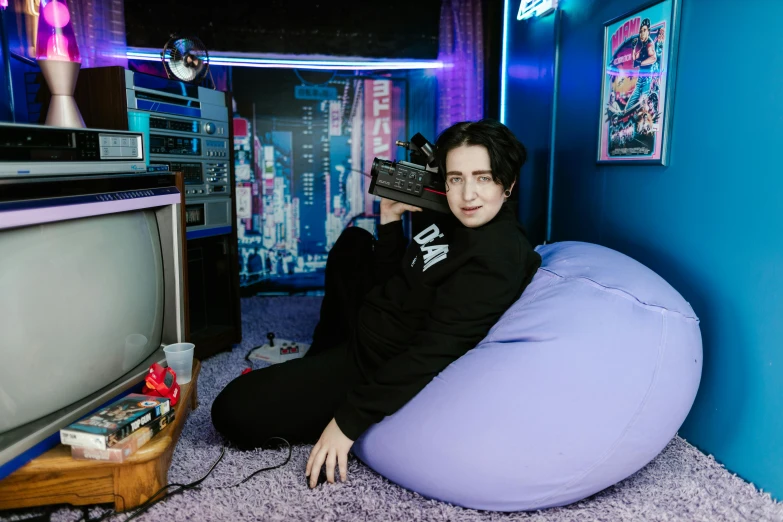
<point x="331" y="449"/>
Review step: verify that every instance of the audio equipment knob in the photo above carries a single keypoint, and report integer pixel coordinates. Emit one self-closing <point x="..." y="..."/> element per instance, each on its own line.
<point x="210" y="128"/>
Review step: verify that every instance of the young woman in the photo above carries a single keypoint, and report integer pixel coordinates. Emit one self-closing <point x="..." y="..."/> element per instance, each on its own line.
<point x="394" y="316"/>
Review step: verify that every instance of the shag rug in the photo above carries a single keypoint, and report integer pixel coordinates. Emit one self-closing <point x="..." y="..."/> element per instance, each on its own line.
<point x="681" y="484"/>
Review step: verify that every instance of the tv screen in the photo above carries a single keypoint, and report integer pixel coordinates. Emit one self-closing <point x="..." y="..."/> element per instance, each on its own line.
<point x="81" y="304"/>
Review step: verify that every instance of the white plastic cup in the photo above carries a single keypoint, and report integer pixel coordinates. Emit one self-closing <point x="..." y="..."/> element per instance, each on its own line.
<point x="179" y="357"/>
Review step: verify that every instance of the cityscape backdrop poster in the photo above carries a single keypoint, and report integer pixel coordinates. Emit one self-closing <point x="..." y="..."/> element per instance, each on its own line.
<point x="303" y="156"/>
<point x="635" y="85"/>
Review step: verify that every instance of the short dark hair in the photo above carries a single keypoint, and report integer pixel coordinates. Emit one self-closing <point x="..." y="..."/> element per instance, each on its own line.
<point x="506" y="153"/>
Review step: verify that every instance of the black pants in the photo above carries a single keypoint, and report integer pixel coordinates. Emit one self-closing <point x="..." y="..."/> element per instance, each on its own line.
<point x="297" y="399"/>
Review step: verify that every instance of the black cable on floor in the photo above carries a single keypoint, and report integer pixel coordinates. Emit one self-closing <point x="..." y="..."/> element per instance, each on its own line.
<point x="288" y="458"/>
<point x="143" y="508"/>
<point x="247" y="357"/>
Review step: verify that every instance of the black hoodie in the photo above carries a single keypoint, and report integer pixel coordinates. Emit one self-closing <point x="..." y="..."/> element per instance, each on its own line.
<point x="437" y="299"/>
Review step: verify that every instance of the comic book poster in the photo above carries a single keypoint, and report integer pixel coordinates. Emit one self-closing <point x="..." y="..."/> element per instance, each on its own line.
<point x="636" y="85"/>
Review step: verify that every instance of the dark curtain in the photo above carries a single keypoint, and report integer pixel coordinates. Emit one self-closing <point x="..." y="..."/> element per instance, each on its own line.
<point x="99" y="26"/>
<point x="461" y="82"/>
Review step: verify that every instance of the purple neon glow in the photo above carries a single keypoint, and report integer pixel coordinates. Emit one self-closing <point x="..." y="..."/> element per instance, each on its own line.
<point x="56" y="40"/>
<point x="3" y="4"/>
<point x="99" y="26"/>
<point x="525" y="72"/>
<point x="460" y="86"/>
<point x="37" y="216"/>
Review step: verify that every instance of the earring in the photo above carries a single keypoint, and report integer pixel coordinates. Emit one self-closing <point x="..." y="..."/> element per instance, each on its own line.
<point x="507" y="193"/>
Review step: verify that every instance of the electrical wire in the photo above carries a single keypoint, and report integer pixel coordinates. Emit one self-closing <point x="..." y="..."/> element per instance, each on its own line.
<point x="152" y="500"/>
<point x="247" y="357"/>
<point x="305" y="82"/>
<point x="288" y="458"/>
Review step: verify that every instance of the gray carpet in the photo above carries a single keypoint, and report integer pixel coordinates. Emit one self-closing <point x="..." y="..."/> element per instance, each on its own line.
<point x="680" y="484"/>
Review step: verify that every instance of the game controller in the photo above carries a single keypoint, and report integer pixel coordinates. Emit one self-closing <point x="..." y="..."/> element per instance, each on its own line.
<point x="277" y="350"/>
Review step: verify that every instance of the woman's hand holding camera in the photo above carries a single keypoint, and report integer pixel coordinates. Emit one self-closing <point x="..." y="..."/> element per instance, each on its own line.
<point x="392" y="210"/>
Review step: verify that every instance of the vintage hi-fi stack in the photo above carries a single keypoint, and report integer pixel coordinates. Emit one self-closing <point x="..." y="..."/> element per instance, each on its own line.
<point x="190" y="131"/>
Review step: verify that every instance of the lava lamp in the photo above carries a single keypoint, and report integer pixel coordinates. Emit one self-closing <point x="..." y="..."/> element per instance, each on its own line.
<point x="58" y="56"/>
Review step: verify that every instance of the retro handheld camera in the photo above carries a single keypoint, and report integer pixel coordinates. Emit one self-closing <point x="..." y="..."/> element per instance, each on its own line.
<point x="416" y="182"/>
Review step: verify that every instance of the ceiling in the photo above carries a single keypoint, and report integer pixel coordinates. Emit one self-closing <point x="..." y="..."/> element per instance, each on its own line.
<point x="371" y="28"/>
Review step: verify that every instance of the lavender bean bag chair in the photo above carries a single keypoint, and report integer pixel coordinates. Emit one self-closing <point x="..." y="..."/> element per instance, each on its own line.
<point x="581" y="383"/>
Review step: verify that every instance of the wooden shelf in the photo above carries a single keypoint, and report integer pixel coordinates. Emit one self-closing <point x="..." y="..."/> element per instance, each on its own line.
<point x="57" y="478"/>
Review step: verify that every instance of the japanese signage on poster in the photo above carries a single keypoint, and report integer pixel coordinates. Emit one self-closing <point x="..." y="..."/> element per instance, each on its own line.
<point x="309" y="92"/>
<point x="378" y="139"/>
<point x="306" y="170"/>
<point x="244" y="202"/>
<point x="335" y="118"/>
<point x="636" y="92"/>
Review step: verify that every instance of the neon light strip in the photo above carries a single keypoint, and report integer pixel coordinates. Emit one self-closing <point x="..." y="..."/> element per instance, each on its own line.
<point x="503" y="64"/>
<point x="275" y="63"/>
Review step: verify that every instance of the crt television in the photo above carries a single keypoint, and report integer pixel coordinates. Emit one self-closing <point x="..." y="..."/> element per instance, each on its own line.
<point x="91" y="289"/>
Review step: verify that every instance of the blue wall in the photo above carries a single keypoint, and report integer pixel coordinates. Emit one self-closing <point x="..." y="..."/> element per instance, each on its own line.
<point x="530" y="68"/>
<point x="711" y="222"/>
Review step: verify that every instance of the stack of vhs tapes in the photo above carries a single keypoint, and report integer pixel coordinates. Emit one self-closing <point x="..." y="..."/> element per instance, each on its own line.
<point x="115" y="432"/>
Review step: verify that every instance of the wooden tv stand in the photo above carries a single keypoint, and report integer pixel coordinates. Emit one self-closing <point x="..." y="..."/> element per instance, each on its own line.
<point x="56" y="478"/>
